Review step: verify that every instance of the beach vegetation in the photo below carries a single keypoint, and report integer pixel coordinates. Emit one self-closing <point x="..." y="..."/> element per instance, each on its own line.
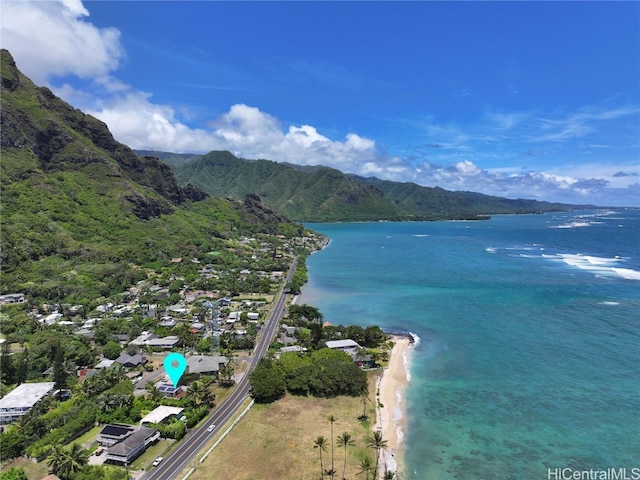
<point x="321" y="444"/>
<point x="379" y="444"/>
<point x="267" y="382"/>
<point x="366" y="466"/>
<point x="345" y="440"/>
<point x="332" y="419"/>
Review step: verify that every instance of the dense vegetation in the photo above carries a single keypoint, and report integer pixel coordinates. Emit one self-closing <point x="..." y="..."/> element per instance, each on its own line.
<point x="317" y="371"/>
<point x="325" y="194"/>
<point x="83" y="216"/>
<point x="322" y="373"/>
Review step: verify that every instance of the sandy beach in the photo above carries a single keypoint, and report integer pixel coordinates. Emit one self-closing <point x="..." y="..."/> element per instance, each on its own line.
<point x="391" y="417"/>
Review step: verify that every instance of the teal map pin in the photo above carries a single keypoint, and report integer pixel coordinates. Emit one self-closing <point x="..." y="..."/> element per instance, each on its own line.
<point x="175" y="364"/>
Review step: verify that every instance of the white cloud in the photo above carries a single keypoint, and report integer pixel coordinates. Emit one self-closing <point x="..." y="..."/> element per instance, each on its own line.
<point x="53" y="39"/>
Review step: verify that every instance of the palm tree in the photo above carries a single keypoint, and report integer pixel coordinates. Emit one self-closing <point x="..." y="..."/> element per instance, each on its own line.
<point x="156" y="395"/>
<point x="321" y="444"/>
<point x="364" y="399"/>
<point x="345" y="440"/>
<point x="76" y="458"/>
<point x="366" y="465"/>
<point x="56" y="458"/>
<point x="376" y="441"/>
<point x="389" y="475"/>
<point x="197" y="392"/>
<point x="332" y="419"/>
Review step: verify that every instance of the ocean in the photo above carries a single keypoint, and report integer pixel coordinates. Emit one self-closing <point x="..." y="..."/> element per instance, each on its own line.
<point x="528" y="360"/>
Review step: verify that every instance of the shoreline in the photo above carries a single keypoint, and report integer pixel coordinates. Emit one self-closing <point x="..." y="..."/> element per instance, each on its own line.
<point x="391" y="405"/>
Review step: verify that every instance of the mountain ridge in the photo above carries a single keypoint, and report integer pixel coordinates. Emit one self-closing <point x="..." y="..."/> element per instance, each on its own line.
<point x="319" y="193"/>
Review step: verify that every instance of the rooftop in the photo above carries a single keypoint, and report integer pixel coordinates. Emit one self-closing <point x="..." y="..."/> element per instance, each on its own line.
<point x="157" y="415"/>
<point x="347" y="343"/>
<point x="26" y="395"/>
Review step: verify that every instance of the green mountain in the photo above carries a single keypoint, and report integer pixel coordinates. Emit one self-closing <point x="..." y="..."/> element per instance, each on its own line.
<point x="83" y="215"/>
<point x="308" y="194"/>
<point x="437" y="202"/>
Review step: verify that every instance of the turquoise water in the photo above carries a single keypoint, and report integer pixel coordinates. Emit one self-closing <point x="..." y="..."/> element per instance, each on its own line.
<point x="529" y="332"/>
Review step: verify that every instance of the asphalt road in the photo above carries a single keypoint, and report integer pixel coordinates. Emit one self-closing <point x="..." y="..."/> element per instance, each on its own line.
<point x="192" y="444"/>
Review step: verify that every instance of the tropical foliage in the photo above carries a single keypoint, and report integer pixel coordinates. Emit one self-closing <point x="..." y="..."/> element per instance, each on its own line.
<point x="83" y="216"/>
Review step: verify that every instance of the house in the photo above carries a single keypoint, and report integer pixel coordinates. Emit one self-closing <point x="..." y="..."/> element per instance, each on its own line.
<point x="112" y="434"/>
<point x="290" y="331"/>
<point x="166" y="343"/>
<point x="130" y="361"/>
<point x="104" y="363"/>
<point x="253" y="316"/>
<point x="152" y="340"/>
<point x="205" y="364"/>
<point x="52" y="318"/>
<point x="23" y="398"/>
<point x="347" y="345"/>
<point x="169" y="390"/>
<point x="125" y="451"/>
<point x="292" y="348"/>
<point x="12" y="298"/>
<point x="167" y="322"/>
<point x="160" y="415"/>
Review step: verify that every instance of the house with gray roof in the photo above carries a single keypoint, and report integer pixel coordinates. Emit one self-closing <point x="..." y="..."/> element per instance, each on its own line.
<point x="205" y="364"/>
<point x="127" y="450"/>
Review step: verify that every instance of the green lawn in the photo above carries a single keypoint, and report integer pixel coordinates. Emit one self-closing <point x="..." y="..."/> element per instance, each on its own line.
<point x="90" y="436"/>
<point x="158" y="450"/>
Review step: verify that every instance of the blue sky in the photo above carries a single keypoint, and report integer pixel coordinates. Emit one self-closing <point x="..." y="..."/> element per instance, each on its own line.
<point x="517" y="99"/>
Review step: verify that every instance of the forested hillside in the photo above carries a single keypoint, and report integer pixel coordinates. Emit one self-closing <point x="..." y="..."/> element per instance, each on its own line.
<point x="306" y="193"/>
<point x="83" y="215"/>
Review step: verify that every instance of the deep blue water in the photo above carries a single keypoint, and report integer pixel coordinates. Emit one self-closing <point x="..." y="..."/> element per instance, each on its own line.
<point x="529" y="327"/>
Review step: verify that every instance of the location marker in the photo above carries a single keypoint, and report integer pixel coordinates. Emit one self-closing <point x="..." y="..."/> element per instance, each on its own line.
<point x="175" y="364"/>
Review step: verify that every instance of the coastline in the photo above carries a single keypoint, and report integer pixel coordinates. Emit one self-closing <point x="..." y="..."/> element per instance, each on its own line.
<point x="391" y="406"/>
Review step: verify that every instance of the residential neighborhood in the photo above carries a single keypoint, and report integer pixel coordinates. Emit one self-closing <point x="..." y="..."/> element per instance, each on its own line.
<point x="93" y="376"/>
<point x="82" y="365"/>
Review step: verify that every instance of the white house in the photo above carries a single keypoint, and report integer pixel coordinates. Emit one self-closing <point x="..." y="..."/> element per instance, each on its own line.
<point x="347" y="345"/>
<point x="23" y="398"/>
<point x="160" y="414"/>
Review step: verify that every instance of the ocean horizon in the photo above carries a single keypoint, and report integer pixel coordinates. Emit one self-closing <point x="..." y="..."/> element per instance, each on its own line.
<point x="529" y="331"/>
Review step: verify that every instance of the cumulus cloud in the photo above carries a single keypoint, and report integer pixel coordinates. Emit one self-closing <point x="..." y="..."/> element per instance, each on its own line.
<point x="53" y="39"/>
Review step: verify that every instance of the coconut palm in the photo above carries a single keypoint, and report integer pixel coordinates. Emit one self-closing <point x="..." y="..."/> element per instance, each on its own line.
<point x="76" y="458"/>
<point x="321" y="444"/>
<point x="197" y="392"/>
<point x="332" y="419"/>
<point x="389" y="475"/>
<point x="151" y="387"/>
<point x="378" y="443"/>
<point x="366" y="466"/>
<point x="56" y="458"/>
<point x="364" y="398"/>
<point x="345" y="440"/>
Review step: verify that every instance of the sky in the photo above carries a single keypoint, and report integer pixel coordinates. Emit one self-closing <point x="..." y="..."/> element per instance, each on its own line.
<point x="520" y="99"/>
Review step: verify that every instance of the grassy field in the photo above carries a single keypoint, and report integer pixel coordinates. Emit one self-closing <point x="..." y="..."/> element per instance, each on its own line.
<point x="277" y="441"/>
<point x="34" y="471"/>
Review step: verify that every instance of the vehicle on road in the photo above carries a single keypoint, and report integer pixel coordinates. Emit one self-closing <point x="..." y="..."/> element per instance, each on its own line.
<point x="210" y="428"/>
<point x="157" y="461"/>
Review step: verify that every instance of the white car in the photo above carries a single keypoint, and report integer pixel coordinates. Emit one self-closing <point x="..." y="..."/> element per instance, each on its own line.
<point x="157" y="461"/>
<point x="210" y="428"/>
